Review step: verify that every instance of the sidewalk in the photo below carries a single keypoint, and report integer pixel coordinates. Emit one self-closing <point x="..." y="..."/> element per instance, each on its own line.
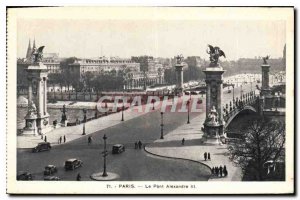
<point x="193" y="149"/>
<point x="75" y="132"/>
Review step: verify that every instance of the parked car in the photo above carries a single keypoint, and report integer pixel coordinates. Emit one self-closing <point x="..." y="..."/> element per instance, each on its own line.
<point x="194" y="93"/>
<point x="51" y="178"/>
<point x="24" y="176"/>
<point x="42" y="146"/>
<point x="50" y="169"/>
<point x="72" y="164"/>
<point x="118" y="148"/>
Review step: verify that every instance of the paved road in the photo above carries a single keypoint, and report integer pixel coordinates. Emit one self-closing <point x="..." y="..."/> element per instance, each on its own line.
<point x="132" y="164"/>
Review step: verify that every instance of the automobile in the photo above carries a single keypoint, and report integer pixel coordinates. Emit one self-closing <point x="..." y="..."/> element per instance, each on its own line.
<point x="50" y="169"/>
<point x="72" y="164"/>
<point x="42" y="146"/>
<point x="118" y="148"/>
<point x="51" y="178"/>
<point x="193" y="92"/>
<point x="229" y="91"/>
<point x="202" y="92"/>
<point x="24" y="176"/>
<point x="187" y="93"/>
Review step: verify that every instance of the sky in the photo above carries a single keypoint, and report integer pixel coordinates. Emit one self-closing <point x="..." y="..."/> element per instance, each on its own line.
<point x="126" y="38"/>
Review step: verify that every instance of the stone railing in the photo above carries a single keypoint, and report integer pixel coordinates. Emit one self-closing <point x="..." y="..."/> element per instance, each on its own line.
<point x="238" y="105"/>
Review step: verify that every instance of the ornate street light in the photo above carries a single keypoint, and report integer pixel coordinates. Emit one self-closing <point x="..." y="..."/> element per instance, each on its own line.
<point x="188" y="104"/>
<point x="162" y="126"/>
<point x="83" y="129"/>
<point x="105" y="153"/>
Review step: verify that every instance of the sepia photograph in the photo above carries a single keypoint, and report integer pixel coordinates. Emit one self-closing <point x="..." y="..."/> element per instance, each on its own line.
<point x="150" y="100"/>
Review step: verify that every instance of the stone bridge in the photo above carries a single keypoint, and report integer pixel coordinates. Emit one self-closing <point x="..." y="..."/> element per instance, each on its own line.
<point x="248" y="102"/>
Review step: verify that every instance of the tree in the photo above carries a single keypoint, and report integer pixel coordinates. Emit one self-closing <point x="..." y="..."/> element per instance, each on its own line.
<point x="263" y="140"/>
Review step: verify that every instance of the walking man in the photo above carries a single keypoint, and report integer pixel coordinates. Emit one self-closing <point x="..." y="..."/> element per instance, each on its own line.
<point x="140" y="145"/>
<point x="65" y="139"/>
<point x="135" y="145"/>
<point x="60" y="139"/>
<point x="182" y="142"/>
<point x="208" y="156"/>
<point x="89" y="140"/>
<point x="221" y="171"/>
<point x="78" y="178"/>
<point x="205" y="156"/>
<point x="45" y="139"/>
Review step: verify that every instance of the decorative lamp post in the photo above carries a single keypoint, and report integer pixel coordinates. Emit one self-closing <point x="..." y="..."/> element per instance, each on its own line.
<point x="188" y="104"/>
<point x="153" y="101"/>
<point x="162" y="126"/>
<point x="83" y="129"/>
<point x="122" y="119"/>
<point x="105" y="153"/>
<point x="84" y="115"/>
<point x="233" y="92"/>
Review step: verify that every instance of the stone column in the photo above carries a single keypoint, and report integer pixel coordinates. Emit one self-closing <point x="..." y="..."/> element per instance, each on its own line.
<point x="220" y="98"/>
<point x="208" y="94"/>
<point x="45" y="96"/>
<point x="40" y="97"/>
<point x="29" y="91"/>
<point x="265" y="87"/>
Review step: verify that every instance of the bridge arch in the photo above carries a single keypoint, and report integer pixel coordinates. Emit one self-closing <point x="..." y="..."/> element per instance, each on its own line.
<point x="243" y="110"/>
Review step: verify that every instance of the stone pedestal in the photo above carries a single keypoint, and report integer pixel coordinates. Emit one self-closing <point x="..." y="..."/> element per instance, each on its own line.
<point x="179" y="79"/>
<point x="214" y="123"/>
<point x="30" y="125"/>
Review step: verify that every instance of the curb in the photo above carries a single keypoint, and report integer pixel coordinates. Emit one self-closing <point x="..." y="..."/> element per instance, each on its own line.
<point x="185" y="159"/>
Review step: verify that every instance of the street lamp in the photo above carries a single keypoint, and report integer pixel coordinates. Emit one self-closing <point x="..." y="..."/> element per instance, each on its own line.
<point x="83" y="129"/>
<point x="162" y="126"/>
<point x="122" y="113"/>
<point x="233" y="92"/>
<point x="105" y="153"/>
<point x="123" y="108"/>
<point x="188" y="104"/>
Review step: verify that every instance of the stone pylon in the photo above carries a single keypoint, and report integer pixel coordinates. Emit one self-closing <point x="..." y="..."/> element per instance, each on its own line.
<point x="179" y="79"/>
<point x="37" y="118"/>
<point x="214" y="123"/>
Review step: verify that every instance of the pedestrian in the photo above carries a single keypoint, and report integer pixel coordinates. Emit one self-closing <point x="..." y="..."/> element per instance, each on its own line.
<point x="208" y="156"/>
<point x="205" y="156"/>
<point x="45" y="139"/>
<point x="135" y="145"/>
<point x="183" y="140"/>
<point x="213" y="171"/>
<point x="65" y="139"/>
<point x="225" y="172"/>
<point x="60" y="139"/>
<point x="221" y="171"/>
<point x="140" y="145"/>
<point x="217" y="171"/>
<point x="89" y="140"/>
<point x="78" y="178"/>
<point x="42" y="137"/>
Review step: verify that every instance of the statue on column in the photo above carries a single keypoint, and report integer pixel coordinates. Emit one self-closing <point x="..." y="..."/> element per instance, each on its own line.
<point x="179" y="59"/>
<point x="37" y="54"/>
<point x="214" y="54"/>
<point x="265" y="59"/>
